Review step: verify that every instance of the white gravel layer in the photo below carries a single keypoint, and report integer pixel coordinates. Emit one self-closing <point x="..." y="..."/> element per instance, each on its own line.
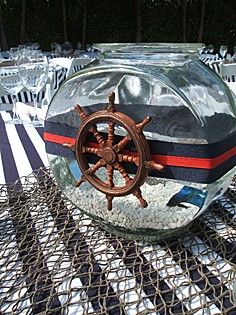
<point x="126" y="211"/>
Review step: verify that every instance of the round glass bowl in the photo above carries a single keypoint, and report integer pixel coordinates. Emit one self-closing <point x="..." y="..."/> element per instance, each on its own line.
<point x="141" y="106"/>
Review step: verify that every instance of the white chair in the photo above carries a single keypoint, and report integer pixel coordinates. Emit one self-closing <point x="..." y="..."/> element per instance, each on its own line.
<point x="228" y="74"/>
<point x="78" y="64"/>
<point x="209" y="58"/>
<point x="61" y="61"/>
<point x="3" y="97"/>
<point x="228" y="71"/>
<point x="58" y="69"/>
<point x="215" y="65"/>
<point x="56" y="48"/>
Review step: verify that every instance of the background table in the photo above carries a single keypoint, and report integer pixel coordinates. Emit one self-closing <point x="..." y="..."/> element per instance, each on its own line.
<point x="57" y="74"/>
<point x="56" y="260"/>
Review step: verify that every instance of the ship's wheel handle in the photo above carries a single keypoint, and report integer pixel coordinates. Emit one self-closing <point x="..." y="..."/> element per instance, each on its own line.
<point x="111" y="154"/>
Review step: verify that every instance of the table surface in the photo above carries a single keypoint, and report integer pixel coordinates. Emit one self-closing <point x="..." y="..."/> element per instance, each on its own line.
<point x="56" y="260"/>
<point x="57" y="75"/>
<point x="22" y="149"/>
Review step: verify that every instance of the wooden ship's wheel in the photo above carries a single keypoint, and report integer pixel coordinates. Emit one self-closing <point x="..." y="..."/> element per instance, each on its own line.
<point x="111" y="155"/>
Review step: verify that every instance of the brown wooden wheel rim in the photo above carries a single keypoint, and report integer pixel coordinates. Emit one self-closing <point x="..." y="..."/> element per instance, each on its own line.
<point x="111" y="154"/>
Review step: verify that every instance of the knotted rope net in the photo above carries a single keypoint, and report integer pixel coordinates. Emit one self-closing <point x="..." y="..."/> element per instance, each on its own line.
<point x="56" y="260"/>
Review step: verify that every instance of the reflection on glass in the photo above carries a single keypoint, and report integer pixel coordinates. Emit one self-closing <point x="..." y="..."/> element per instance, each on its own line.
<point x="11" y="83"/>
<point x="187" y="103"/>
<point x="33" y="71"/>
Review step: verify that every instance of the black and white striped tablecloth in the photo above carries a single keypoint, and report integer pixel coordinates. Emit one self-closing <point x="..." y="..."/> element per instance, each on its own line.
<point x="22" y="149"/>
<point x="212" y="61"/>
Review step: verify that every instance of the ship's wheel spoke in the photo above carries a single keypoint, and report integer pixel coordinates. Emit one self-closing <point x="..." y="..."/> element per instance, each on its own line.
<point x="121" y="145"/>
<point x="82" y="114"/>
<point x="111" y="133"/>
<point x="123" y="172"/>
<point x="95" y="167"/>
<point x="154" y="166"/>
<point x="90" y="150"/>
<point x="142" y="124"/>
<point x="97" y="134"/>
<point x="138" y="194"/>
<point x="93" y="129"/>
<point x="69" y="146"/>
<point x="128" y="158"/>
<point x="110" y="173"/>
<point x="80" y="181"/>
<point x="109" y="202"/>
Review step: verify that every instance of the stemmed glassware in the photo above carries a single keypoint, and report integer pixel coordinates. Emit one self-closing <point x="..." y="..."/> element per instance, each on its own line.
<point x="210" y="49"/>
<point x="223" y="50"/>
<point x="205" y="50"/>
<point x="14" y="53"/>
<point x="33" y="71"/>
<point x="234" y="53"/>
<point x="11" y="82"/>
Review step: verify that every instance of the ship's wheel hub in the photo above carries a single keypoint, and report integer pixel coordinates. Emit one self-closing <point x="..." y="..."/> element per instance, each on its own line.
<point x="108" y="155"/>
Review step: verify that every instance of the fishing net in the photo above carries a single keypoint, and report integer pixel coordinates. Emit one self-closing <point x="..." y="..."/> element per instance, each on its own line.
<point x="56" y="260"/>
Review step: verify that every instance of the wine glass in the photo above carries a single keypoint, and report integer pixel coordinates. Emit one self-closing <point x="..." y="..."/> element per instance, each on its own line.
<point x="223" y="50"/>
<point x="234" y="53"/>
<point x="33" y="71"/>
<point x="11" y="82"/>
<point x="14" y="53"/>
<point x="205" y="49"/>
<point x="210" y="49"/>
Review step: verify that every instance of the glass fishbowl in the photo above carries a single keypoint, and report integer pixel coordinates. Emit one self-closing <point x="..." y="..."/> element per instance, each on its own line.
<point x="142" y="139"/>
